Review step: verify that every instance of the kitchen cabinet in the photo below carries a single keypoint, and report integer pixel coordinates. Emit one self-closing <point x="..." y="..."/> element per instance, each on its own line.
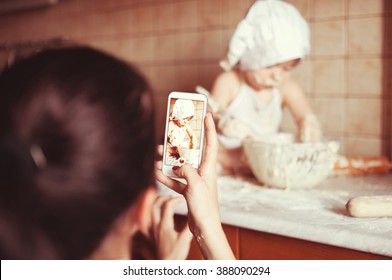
<point x="255" y="245"/>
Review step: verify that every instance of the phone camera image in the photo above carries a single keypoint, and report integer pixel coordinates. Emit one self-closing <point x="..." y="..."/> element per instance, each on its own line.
<point x="184" y="132"/>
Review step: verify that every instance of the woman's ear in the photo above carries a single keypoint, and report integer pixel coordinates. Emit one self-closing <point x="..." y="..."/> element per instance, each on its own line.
<point x="143" y="213"/>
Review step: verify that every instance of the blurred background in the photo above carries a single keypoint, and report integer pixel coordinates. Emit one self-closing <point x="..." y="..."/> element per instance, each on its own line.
<point x="177" y="44"/>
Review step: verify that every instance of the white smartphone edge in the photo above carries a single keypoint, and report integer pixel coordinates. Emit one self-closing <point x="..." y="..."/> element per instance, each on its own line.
<point x="168" y="169"/>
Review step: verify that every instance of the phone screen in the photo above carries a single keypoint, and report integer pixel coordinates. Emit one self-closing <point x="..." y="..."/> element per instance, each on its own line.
<point x="184" y="132"/>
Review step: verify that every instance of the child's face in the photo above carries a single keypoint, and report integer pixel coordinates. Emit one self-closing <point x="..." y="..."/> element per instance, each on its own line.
<point x="182" y="122"/>
<point x="271" y="76"/>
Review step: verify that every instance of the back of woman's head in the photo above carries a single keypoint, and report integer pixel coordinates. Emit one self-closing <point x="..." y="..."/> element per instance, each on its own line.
<point x="76" y="149"/>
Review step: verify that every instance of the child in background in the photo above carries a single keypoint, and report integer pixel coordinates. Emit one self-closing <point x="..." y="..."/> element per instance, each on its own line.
<point x="248" y="98"/>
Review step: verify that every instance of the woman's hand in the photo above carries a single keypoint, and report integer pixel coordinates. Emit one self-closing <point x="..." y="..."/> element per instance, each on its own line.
<point x="202" y="198"/>
<point x="171" y="244"/>
<point x="201" y="191"/>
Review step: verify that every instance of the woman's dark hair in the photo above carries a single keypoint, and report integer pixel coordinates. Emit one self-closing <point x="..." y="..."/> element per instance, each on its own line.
<point x="76" y="150"/>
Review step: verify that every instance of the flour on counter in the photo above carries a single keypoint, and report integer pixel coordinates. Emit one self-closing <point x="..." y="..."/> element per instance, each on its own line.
<point x="316" y="214"/>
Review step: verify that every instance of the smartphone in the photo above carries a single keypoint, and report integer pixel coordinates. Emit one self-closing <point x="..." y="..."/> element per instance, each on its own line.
<point x="184" y="131"/>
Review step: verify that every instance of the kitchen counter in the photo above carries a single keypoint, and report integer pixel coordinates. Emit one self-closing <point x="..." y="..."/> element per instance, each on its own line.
<point x="317" y="214"/>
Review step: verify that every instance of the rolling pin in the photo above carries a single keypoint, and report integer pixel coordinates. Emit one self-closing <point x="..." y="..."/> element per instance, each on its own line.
<point x="370" y="206"/>
<point x="362" y="165"/>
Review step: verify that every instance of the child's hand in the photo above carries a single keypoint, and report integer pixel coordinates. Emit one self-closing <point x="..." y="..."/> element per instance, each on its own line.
<point x="309" y="129"/>
<point x="234" y="129"/>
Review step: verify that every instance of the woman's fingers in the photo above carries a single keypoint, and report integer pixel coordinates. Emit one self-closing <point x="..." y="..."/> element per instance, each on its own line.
<point x="207" y="168"/>
<point x="167" y="214"/>
<point x="211" y="149"/>
<point x="169" y="182"/>
<point x="160" y="150"/>
<point x="157" y="209"/>
<point x="158" y="165"/>
<point x="163" y="211"/>
<point x="189" y="173"/>
<point x="211" y="140"/>
<point x="185" y="236"/>
<point x="171" y="244"/>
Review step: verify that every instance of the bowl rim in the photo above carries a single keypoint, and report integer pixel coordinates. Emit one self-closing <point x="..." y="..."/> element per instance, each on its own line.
<point x="318" y="143"/>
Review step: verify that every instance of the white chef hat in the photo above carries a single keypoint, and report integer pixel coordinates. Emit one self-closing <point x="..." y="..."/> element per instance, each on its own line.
<point x="272" y="32"/>
<point x="183" y="108"/>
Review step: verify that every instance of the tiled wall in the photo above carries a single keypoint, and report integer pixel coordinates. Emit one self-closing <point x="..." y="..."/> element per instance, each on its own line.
<point x="346" y="76"/>
<point x="177" y="44"/>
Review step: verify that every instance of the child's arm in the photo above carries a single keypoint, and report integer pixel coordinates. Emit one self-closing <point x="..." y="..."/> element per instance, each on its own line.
<point x="223" y="92"/>
<point x="225" y="88"/>
<point x="294" y="98"/>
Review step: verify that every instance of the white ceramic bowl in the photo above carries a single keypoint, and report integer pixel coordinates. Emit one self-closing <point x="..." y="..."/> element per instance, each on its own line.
<point x="281" y="163"/>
